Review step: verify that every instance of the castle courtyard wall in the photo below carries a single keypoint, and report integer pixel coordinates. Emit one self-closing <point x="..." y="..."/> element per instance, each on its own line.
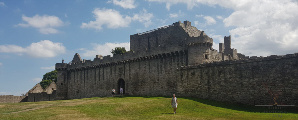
<point x="11" y="98"/>
<point x="43" y="96"/>
<point x="143" y="77"/>
<point x="253" y="82"/>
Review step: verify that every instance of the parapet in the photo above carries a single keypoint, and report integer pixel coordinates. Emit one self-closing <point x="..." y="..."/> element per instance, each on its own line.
<point x="241" y="61"/>
<point x="60" y="66"/>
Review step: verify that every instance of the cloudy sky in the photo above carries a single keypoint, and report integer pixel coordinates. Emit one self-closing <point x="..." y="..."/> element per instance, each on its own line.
<point x="35" y="34"/>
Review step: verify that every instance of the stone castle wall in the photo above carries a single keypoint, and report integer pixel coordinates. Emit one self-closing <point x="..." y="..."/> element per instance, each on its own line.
<point x="180" y="59"/>
<point x="11" y="99"/>
<point x="43" y="96"/>
<point x="142" y="76"/>
<point x="254" y="82"/>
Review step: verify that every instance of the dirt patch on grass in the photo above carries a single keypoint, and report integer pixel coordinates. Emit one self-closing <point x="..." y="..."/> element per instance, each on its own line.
<point x="1" y="106"/>
<point x="35" y="108"/>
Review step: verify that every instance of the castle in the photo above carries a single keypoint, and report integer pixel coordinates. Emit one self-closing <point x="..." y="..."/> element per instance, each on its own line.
<point x="180" y="59"/>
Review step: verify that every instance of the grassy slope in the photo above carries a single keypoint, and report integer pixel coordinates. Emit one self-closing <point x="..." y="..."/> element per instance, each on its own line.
<point x="132" y="108"/>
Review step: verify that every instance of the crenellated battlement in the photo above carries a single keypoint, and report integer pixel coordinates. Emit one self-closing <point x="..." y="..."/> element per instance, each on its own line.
<point x="61" y="66"/>
<point x="131" y="57"/>
<point x="115" y="60"/>
<point x="168" y="39"/>
<point x="153" y="30"/>
<point x="175" y="37"/>
<point x="249" y="60"/>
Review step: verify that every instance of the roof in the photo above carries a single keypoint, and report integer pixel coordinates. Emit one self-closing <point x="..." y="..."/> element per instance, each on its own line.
<point x="36" y="89"/>
<point x="51" y="88"/>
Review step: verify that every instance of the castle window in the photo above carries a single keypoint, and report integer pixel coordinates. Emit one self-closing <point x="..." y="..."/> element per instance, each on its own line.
<point x="206" y="56"/>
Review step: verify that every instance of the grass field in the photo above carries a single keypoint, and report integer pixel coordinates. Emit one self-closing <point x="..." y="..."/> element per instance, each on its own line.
<point x="133" y="108"/>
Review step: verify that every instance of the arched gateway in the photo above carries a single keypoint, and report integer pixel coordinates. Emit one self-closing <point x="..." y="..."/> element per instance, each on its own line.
<point x="121" y="84"/>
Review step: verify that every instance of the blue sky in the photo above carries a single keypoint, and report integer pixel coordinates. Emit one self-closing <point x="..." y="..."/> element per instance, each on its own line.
<point x="35" y="34"/>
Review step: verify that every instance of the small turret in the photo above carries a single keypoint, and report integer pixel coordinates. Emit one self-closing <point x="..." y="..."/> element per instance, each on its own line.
<point x="227" y="42"/>
<point x="187" y="24"/>
<point x="76" y="59"/>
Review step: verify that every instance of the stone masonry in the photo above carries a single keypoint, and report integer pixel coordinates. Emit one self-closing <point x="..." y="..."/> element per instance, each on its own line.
<point x="180" y="59"/>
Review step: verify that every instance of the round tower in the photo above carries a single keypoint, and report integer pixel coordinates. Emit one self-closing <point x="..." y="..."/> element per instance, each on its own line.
<point x="199" y="49"/>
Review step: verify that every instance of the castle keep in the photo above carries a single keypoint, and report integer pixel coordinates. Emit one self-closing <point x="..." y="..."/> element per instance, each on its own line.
<point x="180" y="59"/>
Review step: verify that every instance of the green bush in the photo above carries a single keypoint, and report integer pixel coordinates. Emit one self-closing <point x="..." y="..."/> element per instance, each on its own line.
<point x="48" y="78"/>
<point x="118" y="50"/>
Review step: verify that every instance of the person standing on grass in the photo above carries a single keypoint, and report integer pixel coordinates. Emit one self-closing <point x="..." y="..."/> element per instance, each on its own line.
<point x="174" y="103"/>
<point x="113" y="92"/>
<point x="121" y="91"/>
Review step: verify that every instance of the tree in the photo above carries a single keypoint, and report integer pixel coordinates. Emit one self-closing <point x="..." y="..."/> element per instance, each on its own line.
<point x="118" y="50"/>
<point x="45" y="83"/>
<point x="48" y="78"/>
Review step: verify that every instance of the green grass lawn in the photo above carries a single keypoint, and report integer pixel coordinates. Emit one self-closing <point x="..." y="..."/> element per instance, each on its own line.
<point x="134" y="108"/>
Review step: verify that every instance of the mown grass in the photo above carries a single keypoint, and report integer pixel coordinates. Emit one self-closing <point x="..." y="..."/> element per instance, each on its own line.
<point x="134" y="108"/>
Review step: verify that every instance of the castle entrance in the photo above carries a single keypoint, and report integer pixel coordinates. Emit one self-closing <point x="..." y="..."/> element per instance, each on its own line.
<point x="121" y="84"/>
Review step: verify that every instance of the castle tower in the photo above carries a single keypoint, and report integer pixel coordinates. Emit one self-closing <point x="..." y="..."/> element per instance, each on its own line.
<point x="187" y="24"/>
<point x="227" y="50"/>
<point x="227" y="42"/>
<point x="62" y="84"/>
<point x="221" y="47"/>
<point x="199" y="49"/>
<point x="198" y="53"/>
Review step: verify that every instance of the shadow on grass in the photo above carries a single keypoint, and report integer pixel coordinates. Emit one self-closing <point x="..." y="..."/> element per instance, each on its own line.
<point x="167" y="113"/>
<point x="232" y="106"/>
<point x="246" y="108"/>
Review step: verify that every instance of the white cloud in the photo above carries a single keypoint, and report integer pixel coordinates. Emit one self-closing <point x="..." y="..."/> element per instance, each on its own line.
<point x="219" y="17"/>
<point x="126" y="4"/>
<point x="143" y="17"/>
<point x="216" y="40"/>
<point x="196" y="23"/>
<point x="2" y="4"/>
<point x="200" y="15"/>
<point x="11" y="49"/>
<point x="215" y="46"/>
<point x="265" y="27"/>
<point x="44" y="48"/>
<point x="261" y="27"/>
<point x="210" y="20"/>
<point x="36" y="79"/>
<point x="103" y="49"/>
<point x="48" y="68"/>
<point x="190" y="3"/>
<point x="109" y="17"/>
<point x="219" y="38"/>
<point x="113" y="19"/>
<point x="173" y="15"/>
<point x="45" y="24"/>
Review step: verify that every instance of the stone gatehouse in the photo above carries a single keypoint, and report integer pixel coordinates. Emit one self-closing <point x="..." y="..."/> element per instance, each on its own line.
<point x="180" y="59"/>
